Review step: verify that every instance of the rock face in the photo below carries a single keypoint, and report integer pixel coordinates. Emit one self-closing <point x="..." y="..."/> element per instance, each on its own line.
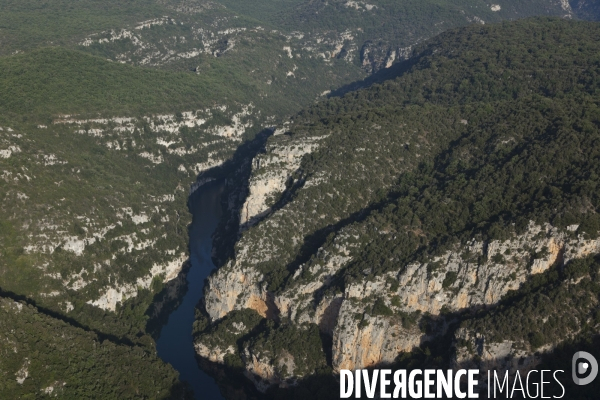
<point x="452" y="282"/>
<point x="214" y="353"/>
<point x="363" y="320"/>
<point x="373" y="340"/>
<point x="273" y="228"/>
<point x="238" y="285"/>
<point x="270" y="172"/>
<point x="507" y="355"/>
<point x="233" y="287"/>
<point x="516" y="337"/>
<point x="134" y="237"/>
<point x="373" y="318"/>
<point x="370" y="318"/>
<point x="385" y="235"/>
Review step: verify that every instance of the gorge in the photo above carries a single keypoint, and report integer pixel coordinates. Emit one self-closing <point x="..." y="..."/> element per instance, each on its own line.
<point x="404" y="183"/>
<point x="175" y="345"/>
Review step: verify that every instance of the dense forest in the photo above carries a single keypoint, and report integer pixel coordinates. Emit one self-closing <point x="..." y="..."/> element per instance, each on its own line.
<point x="110" y="110"/>
<point x="486" y="132"/>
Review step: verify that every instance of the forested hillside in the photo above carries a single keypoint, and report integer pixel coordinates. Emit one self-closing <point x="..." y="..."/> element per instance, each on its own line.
<point x="380" y="217"/>
<point x="93" y="219"/>
<point x="110" y="110"/>
<point x="52" y="358"/>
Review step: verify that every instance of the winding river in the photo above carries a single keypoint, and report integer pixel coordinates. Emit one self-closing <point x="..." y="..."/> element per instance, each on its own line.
<point x="175" y="343"/>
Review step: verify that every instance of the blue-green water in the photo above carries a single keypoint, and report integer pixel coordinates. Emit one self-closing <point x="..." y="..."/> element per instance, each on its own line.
<point x="175" y="343"/>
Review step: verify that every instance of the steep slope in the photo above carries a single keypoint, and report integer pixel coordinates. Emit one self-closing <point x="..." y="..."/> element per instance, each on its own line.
<point x="286" y="53"/>
<point x="383" y="215"/>
<point x="555" y="309"/>
<point x="33" y="343"/>
<point x="385" y="30"/>
<point x="368" y="35"/>
<point x="93" y="219"/>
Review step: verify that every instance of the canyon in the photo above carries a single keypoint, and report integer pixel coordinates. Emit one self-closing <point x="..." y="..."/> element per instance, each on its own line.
<point x="301" y="268"/>
<point x="374" y="205"/>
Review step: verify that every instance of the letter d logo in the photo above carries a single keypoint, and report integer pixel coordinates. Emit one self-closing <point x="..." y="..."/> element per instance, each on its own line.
<point x="579" y="368"/>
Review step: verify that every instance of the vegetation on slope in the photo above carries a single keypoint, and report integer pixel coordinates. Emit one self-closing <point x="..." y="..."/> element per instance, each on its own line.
<point x="401" y="23"/>
<point x="60" y="186"/>
<point x="57" y="80"/>
<point x="485" y="129"/>
<point x="71" y="190"/>
<point x="69" y="182"/>
<point x="463" y="140"/>
<point x="550" y="308"/>
<point x="44" y="356"/>
<point x="26" y="24"/>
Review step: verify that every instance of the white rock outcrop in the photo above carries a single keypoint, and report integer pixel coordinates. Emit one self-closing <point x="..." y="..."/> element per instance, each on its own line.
<point x="270" y="172"/>
<point x="453" y="281"/>
<point x="114" y="295"/>
<point x="476" y="274"/>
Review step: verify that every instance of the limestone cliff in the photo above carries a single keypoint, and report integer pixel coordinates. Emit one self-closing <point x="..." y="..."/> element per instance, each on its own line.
<point x="474" y="275"/>
<point x="114" y="295"/>
<point x="270" y="173"/>
<point x="517" y="338"/>
<point x="420" y="207"/>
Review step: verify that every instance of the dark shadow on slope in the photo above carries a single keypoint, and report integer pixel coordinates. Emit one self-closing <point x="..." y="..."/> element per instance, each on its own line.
<point x="561" y="359"/>
<point x="232" y="382"/>
<point x="433" y="326"/>
<point x="383" y="75"/>
<point x="236" y="173"/>
<point x="167" y="300"/>
<point x="327" y="346"/>
<point x="55" y="315"/>
<point x="248" y="149"/>
<point x="181" y="391"/>
<point x="235" y="385"/>
<point x="318" y="238"/>
<point x="255" y="146"/>
<point x="173" y="292"/>
<point x="436" y="351"/>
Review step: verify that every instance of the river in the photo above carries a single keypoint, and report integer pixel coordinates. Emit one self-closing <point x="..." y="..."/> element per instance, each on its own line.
<point x="175" y="343"/>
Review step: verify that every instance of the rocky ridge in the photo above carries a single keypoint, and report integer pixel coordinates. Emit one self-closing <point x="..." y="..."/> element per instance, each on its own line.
<point x="271" y="172"/>
<point x="68" y="235"/>
<point x="331" y="252"/>
<point x="465" y="284"/>
<point x="364" y="338"/>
